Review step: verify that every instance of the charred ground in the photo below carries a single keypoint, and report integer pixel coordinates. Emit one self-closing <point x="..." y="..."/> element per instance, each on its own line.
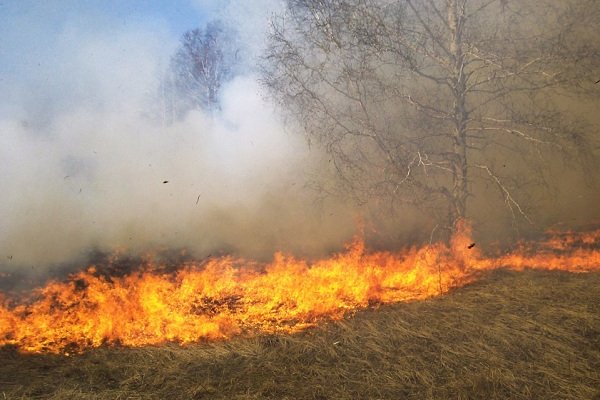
<point x="518" y="335"/>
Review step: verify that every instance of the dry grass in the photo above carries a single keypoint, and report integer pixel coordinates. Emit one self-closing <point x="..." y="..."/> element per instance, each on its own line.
<point x="527" y="335"/>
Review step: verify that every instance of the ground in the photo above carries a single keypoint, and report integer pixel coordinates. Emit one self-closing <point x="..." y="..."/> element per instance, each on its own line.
<point x="511" y="335"/>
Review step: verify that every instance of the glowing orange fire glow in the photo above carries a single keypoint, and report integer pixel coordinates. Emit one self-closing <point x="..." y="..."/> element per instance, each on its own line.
<point x="226" y="296"/>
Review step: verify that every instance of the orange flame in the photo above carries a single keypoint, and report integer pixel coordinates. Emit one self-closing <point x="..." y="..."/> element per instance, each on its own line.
<point x="227" y="296"/>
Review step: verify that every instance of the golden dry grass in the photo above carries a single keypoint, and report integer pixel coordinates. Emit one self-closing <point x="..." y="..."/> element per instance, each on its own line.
<point x="512" y="335"/>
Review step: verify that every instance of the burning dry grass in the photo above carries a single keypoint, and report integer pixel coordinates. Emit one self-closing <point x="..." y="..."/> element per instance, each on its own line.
<point x="517" y="335"/>
<point x="226" y="297"/>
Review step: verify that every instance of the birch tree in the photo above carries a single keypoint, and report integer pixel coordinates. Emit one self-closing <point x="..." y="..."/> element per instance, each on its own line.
<point x="205" y="60"/>
<point x="430" y="102"/>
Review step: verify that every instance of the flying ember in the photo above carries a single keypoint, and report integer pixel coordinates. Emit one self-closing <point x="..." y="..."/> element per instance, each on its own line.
<point x="225" y="297"/>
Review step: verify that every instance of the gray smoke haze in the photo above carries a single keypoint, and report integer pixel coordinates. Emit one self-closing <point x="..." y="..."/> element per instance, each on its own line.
<point x="83" y="164"/>
<point x="82" y="161"/>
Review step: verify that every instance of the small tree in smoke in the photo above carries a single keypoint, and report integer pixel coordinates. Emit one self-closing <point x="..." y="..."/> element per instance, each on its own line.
<point x="205" y="60"/>
<point x="429" y="102"/>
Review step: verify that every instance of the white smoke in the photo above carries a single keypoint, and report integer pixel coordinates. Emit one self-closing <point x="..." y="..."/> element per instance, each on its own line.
<point x="84" y="165"/>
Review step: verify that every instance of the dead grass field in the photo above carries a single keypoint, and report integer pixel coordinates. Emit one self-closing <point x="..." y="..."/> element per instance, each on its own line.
<point x="512" y="335"/>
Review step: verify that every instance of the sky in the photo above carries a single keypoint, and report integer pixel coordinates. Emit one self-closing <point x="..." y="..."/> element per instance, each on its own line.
<point x="83" y="162"/>
<point x="30" y="29"/>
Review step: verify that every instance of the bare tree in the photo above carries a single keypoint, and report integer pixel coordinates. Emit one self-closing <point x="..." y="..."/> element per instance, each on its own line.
<point x="204" y="61"/>
<point x="428" y="101"/>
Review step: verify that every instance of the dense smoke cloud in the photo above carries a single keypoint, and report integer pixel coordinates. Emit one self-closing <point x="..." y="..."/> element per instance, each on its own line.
<point x="85" y="164"/>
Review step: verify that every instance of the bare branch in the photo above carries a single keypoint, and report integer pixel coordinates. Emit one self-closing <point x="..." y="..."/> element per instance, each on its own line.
<point x="509" y="200"/>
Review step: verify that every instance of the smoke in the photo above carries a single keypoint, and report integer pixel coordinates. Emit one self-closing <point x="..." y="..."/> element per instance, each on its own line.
<point x="85" y="166"/>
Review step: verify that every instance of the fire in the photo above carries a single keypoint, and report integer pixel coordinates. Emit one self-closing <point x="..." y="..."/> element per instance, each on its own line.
<point x="225" y="297"/>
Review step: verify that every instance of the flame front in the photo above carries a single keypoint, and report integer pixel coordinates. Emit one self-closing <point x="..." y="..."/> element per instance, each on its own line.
<point x="227" y="296"/>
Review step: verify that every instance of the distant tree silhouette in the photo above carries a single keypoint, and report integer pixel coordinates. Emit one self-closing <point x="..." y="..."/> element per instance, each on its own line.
<point x="204" y="61"/>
